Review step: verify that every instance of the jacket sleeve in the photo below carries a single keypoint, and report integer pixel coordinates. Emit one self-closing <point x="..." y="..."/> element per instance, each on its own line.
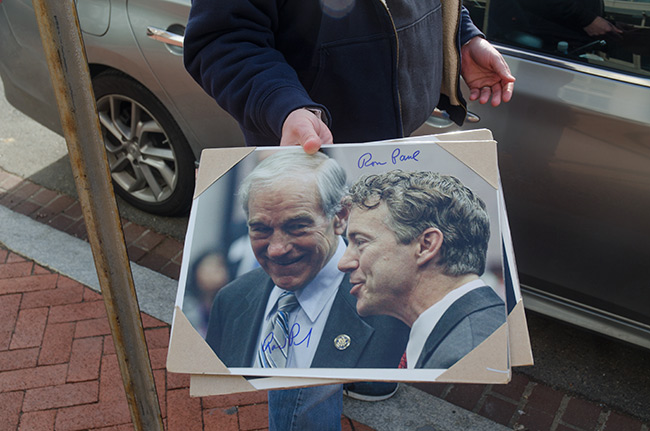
<point x="468" y="29"/>
<point x="229" y="50"/>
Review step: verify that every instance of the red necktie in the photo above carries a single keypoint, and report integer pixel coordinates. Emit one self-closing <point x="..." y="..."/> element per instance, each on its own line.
<point x="402" y="362"/>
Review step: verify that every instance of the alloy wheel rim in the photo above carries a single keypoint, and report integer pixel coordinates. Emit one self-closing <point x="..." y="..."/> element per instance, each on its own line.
<point x="140" y="156"/>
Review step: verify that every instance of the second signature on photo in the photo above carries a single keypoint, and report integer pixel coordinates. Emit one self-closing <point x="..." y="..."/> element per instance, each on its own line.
<point x="270" y="343"/>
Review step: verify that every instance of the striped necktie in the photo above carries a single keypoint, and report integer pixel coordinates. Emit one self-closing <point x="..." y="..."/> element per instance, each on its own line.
<point x="275" y="344"/>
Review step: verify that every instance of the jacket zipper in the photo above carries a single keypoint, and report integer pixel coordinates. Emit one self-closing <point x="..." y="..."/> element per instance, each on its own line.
<point x="399" y="97"/>
<point x="457" y="48"/>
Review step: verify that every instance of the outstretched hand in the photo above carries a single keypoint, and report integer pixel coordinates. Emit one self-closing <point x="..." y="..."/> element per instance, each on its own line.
<point x="486" y="72"/>
<point x="600" y="27"/>
<point x="302" y="127"/>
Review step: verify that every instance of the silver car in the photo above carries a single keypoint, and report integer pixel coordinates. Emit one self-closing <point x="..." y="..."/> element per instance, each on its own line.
<point x="574" y="156"/>
<point x="574" y="143"/>
<point x="134" y="50"/>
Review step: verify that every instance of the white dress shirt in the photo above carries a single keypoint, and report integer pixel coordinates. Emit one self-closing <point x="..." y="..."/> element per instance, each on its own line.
<point x="426" y="321"/>
<point x="307" y="322"/>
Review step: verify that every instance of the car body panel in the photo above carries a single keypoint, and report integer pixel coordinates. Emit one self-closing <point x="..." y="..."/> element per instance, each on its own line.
<point x="574" y="158"/>
<point x="26" y="78"/>
<point x="575" y="162"/>
<point x="122" y="46"/>
<point x="94" y="16"/>
<point x="577" y="183"/>
<point x="210" y="126"/>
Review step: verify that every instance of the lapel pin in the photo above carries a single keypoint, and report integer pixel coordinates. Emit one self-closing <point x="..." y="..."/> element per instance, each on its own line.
<point x="342" y="342"/>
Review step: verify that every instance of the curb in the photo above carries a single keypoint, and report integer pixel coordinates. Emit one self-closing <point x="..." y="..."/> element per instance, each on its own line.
<point x="156" y="292"/>
<point x="412" y="409"/>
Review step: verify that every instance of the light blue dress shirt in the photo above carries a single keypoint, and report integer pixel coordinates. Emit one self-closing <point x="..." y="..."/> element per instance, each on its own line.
<point x="308" y="321"/>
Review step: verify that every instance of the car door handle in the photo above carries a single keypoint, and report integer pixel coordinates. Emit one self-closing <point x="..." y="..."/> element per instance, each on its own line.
<point x="472" y="117"/>
<point x="165" y="36"/>
<point x="440" y="119"/>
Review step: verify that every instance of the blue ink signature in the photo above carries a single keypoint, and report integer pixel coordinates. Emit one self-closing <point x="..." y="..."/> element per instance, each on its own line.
<point x="366" y="159"/>
<point x="270" y="344"/>
<point x="397" y="156"/>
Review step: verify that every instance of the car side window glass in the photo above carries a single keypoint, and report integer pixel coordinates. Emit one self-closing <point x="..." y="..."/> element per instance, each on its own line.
<point x="611" y="34"/>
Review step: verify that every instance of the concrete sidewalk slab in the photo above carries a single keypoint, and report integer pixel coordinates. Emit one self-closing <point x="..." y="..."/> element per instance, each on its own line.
<point x="72" y="257"/>
<point x="411" y="409"/>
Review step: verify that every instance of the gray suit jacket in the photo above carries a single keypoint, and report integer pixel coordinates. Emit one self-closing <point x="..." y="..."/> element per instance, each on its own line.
<point x="465" y="324"/>
<point x="237" y="313"/>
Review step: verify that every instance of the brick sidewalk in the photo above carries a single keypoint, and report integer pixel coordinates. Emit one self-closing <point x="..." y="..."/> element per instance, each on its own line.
<point x="59" y="370"/>
<point x="47" y="351"/>
<point x="145" y="246"/>
<point x="526" y="405"/>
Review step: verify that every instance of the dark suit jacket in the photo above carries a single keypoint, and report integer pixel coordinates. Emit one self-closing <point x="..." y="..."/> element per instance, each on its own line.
<point x="465" y="324"/>
<point x="238" y="311"/>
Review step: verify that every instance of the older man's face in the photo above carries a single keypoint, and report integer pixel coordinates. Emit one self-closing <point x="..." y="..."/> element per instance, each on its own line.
<point x="291" y="237"/>
<point x="382" y="270"/>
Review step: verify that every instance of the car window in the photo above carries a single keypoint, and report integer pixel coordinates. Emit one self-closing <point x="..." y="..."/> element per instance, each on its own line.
<point x="609" y="34"/>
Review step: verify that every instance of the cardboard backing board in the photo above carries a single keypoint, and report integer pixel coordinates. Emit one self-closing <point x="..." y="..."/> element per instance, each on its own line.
<point x="488" y="363"/>
<point x="519" y="344"/>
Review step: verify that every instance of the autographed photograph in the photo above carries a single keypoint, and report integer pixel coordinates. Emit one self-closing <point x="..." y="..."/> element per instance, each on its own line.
<point x="380" y="261"/>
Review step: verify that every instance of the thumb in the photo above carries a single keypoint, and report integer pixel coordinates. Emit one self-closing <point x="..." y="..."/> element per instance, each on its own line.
<point x="311" y="145"/>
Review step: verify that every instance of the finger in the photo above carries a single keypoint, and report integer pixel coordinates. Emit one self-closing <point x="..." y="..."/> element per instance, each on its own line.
<point x="288" y="141"/>
<point x="496" y="94"/>
<point x="616" y="31"/>
<point x="474" y="93"/>
<point x="486" y="92"/>
<point x="309" y="137"/>
<point x="508" y="90"/>
<point x="311" y="145"/>
<point x="326" y="137"/>
<point x="309" y="141"/>
<point x="505" y="73"/>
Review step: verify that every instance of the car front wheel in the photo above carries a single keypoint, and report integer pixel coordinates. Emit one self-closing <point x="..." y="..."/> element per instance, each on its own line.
<point x="151" y="163"/>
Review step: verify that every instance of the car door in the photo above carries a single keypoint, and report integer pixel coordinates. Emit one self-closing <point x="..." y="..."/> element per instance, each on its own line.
<point x="158" y="27"/>
<point x="23" y="66"/>
<point x="574" y="156"/>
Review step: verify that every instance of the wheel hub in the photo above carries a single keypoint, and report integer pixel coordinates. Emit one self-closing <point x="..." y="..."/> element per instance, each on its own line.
<point x="133" y="150"/>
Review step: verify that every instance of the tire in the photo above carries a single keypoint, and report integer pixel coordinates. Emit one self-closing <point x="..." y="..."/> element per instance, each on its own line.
<point x="151" y="163"/>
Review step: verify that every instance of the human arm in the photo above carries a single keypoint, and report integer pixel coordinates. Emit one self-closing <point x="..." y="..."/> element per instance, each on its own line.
<point x="572" y="14"/>
<point x="485" y="72"/>
<point x="482" y="67"/>
<point x="231" y="50"/>
<point x="600" y="26"/>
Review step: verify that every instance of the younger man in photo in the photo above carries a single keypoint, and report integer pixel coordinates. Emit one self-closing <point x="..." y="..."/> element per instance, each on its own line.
<point x="417" y="247"/>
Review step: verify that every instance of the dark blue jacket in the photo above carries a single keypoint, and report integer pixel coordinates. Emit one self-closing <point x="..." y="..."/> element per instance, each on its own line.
<point x="376" y="74"/>
<point x="238" y="313"/>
